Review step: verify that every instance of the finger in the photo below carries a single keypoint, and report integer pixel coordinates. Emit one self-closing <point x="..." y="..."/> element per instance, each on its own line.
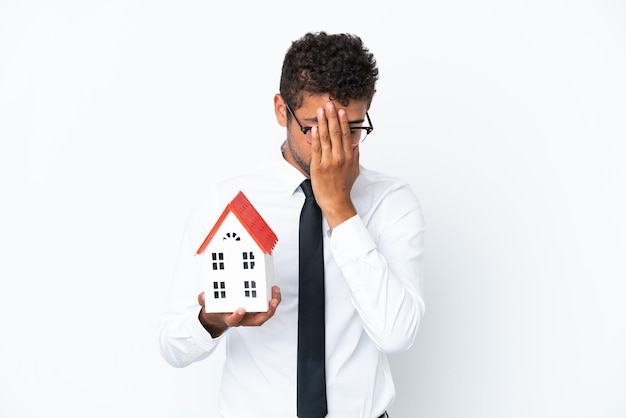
<point x="316" y="148"/>
<point x="346" y="134"/>
<point x="275" y="301"/>
<point x="322" y="124"/>
<point x="334" y="128"/>
<point x="201" y="299"/>
<point x="324" y="133"/>
<point x="276" y="295"/>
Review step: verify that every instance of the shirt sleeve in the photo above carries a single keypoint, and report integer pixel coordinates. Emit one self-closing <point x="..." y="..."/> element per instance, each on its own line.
<point x="381" y="258"/>
<point x="182" y="338"/>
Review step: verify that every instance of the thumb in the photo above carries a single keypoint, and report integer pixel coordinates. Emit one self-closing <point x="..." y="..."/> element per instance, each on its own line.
<point x="234" y="319"/>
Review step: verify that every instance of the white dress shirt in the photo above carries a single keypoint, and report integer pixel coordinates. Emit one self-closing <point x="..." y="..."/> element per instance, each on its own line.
<point x="374" y="304"/>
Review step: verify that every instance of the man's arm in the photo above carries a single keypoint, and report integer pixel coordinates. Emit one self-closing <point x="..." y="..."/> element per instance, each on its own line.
<point x="382" y="263"/>
<point x="384" y="273"/>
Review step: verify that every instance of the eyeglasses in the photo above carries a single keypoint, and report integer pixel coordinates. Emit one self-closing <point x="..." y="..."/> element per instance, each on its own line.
<point x="359" y="133"/>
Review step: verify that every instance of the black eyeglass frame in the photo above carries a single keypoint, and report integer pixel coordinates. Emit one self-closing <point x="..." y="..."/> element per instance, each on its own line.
<point x="306" y="129"/>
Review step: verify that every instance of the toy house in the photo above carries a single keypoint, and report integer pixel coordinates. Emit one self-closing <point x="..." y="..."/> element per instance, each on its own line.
<point x="237" y="260"/>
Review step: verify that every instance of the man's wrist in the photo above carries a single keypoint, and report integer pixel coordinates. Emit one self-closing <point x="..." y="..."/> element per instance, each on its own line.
<point x="214" y="330"/>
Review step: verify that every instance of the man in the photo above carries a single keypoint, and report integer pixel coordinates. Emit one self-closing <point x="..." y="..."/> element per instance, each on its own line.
<point x="372" y="253"/>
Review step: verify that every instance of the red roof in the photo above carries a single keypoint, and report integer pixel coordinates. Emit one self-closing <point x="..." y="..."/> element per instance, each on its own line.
<point x="258" y="229"/>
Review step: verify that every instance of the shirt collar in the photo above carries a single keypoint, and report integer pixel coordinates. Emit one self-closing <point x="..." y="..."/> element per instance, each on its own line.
<point x="291" y="177"/>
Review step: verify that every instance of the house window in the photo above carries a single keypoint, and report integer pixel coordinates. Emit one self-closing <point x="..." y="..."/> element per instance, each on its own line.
<point x="231" y="235"/>
<point x="248" y="264"/>
<point x="250" y="287"/>
<point x="219" y="290"/>
<point x="218" y="261"/>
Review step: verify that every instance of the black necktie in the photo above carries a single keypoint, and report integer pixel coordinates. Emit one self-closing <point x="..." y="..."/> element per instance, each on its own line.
<point x="311" y="362"/>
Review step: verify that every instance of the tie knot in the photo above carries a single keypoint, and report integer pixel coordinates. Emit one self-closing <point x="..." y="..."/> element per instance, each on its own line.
<point x="306" y="188"/>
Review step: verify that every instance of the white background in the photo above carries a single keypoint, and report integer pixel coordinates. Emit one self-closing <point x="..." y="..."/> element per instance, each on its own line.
<point x="507" y="117"/>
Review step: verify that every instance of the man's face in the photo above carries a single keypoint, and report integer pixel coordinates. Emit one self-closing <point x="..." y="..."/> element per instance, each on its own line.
<point x="298" y="144"/>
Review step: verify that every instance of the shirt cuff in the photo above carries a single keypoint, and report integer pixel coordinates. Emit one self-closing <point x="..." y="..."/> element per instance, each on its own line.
<point x="351" y="240"/>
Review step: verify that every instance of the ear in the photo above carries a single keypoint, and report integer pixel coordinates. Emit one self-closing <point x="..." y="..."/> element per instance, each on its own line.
<point x="280" y="108"/>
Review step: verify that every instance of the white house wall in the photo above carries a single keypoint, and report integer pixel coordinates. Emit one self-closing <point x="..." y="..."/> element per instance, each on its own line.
<point x="268" y="261"/>
<point x="231" y="280"/>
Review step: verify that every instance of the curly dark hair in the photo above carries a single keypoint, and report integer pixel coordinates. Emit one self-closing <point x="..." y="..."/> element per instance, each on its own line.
<point x="319" y="63"/>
